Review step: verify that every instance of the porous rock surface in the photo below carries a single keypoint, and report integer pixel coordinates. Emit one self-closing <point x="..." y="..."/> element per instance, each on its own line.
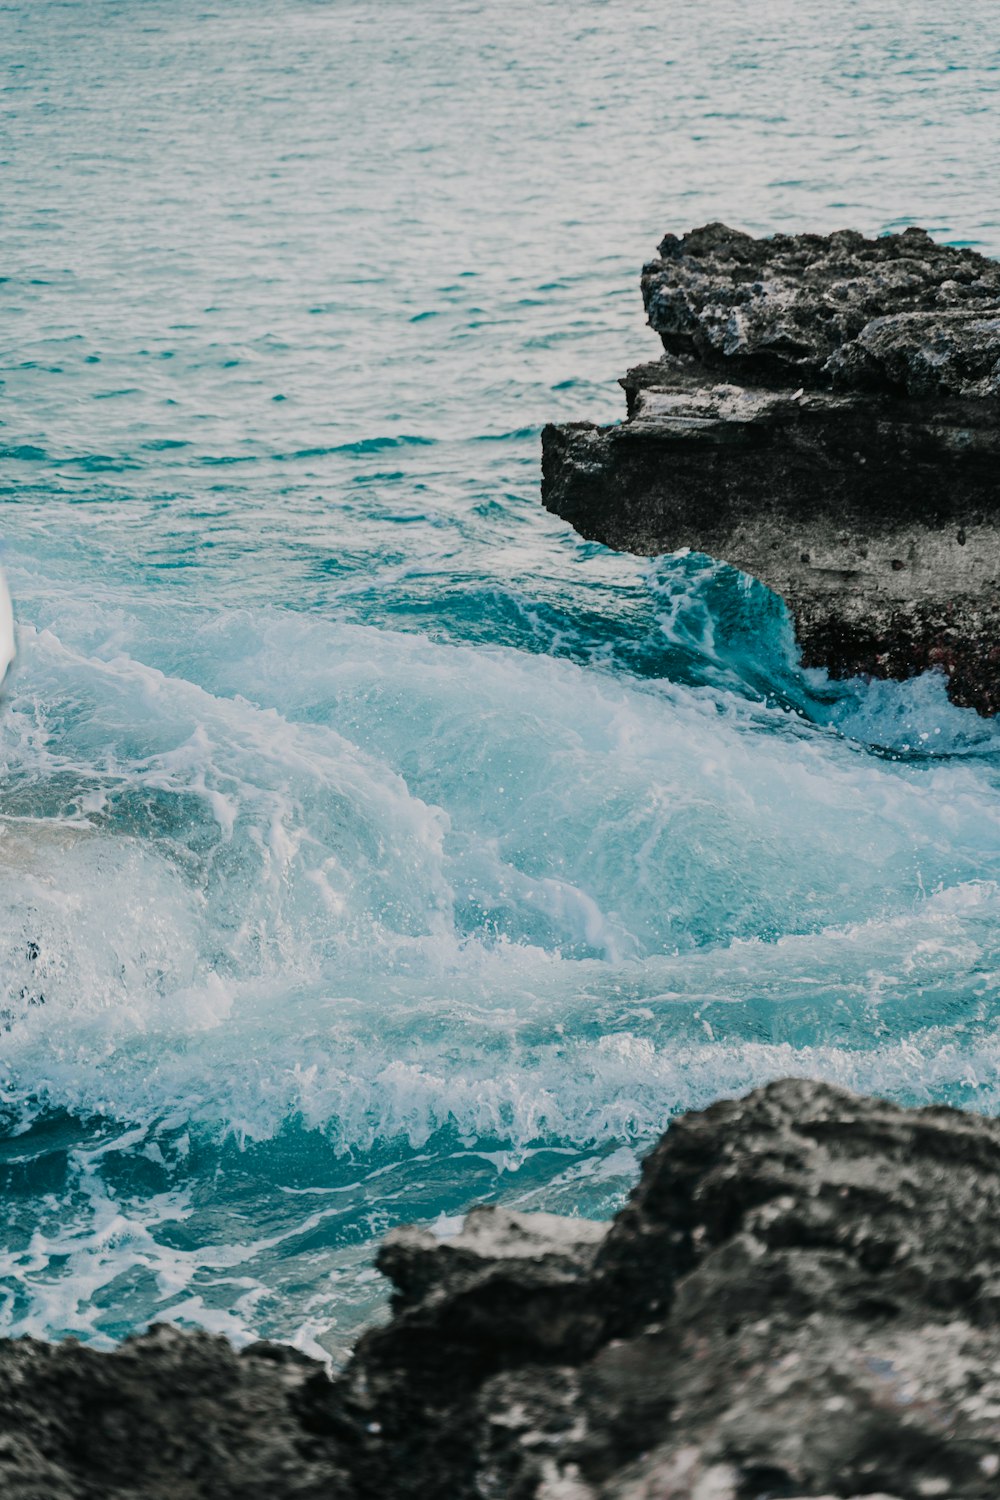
<point x="801" y="1298"/>
<point x="826" y="417"/>
<point x="900" y="312"/>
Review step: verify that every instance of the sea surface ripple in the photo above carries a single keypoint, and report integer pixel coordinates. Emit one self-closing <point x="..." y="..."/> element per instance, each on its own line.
<point x="372" y="845"/>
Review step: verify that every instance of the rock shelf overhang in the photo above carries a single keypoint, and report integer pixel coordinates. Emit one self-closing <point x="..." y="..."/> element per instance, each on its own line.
<point x="825" y="417"/>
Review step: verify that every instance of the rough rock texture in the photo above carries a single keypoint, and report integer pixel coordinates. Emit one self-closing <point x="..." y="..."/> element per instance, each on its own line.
<point x="900" y="312"/>
<point x="168" y="1416"/>
<point x="802" y="1298"/>
<point x="826" y="417"/>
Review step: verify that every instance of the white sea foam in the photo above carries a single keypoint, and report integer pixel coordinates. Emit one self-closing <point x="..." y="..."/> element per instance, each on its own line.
<point x="311" y="894"/>
<point x="311" y="882"/>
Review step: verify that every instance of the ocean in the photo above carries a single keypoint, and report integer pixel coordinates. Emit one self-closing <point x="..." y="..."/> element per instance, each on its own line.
<point x="374" y="846"/>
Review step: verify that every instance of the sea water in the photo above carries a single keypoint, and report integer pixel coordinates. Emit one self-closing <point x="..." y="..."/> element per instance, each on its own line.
<point x="370" y="844"/>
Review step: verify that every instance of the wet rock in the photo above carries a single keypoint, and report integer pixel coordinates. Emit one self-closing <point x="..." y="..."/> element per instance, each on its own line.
<point x="512" y="1293"/>
<point x="825" y="417"/>
<point x="168" y="1416"/>
<point x="801" y="1298"/>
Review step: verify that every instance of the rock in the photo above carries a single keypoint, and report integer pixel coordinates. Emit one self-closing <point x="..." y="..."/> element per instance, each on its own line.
<point x="167" y="1416"/>
<point x="801" y="1298"/>
<point x="512" y="1292"/>
<point x="800" y="310"/>
<point x="825" y="417"/>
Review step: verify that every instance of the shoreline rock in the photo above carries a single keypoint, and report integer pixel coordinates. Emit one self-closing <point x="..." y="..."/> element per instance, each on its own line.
<point x="826" y="417"/>
<point x="801" y="1298"/>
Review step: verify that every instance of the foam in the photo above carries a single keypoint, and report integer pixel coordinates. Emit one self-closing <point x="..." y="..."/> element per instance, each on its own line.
<point x="397" y="826"/>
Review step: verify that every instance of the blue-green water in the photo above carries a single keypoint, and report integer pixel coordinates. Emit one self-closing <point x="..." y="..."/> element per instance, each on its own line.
<point x="371" y="844"/>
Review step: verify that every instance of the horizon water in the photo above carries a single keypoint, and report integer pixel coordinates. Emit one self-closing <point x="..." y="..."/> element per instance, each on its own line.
<point x="374" y="846"/>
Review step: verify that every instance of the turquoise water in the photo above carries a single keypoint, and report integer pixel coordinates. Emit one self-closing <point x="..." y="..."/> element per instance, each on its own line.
<point x="372" y="844"/>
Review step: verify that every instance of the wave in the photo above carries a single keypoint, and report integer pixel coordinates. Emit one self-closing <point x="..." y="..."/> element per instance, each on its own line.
<point x="217" y="888"/>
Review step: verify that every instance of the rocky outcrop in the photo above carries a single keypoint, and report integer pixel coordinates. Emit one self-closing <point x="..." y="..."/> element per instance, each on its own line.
<point x="825" y="417"/>
<point x="168" y="1416"/>
<point x="801" y="1298"/>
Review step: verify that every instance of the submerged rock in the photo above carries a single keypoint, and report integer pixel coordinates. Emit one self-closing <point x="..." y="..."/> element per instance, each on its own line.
<point x="826" y="417"/>
<point x="802" y="1298"/>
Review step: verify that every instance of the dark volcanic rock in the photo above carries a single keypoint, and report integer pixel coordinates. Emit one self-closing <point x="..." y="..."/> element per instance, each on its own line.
<point x="896" y="313"/>
<point x="802" y="1298"/>
<point x="826" y="417"/>
<point x="168" y="1416"/>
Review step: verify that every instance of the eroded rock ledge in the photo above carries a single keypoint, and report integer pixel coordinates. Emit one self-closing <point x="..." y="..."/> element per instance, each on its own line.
<point x="802" y="1298"/>
<point x="825" y="417"/>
